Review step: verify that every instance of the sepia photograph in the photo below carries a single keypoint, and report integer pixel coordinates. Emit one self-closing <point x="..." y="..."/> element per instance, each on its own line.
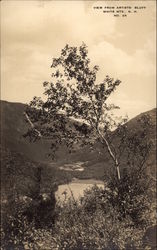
<point x="78" y="125"/>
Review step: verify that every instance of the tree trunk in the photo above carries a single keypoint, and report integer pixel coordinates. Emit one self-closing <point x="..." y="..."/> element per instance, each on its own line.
<point x="111" y="154"/>
<point x="118" y="171"/>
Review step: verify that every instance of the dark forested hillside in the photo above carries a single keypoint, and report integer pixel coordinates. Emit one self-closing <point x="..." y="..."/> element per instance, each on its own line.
<point x="13" y="126"/>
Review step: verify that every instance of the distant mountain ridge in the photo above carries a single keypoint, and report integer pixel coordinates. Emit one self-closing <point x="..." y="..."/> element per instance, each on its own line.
<point x="13" y="126"/>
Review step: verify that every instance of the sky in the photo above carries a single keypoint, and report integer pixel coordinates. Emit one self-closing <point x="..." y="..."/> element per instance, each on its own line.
<point x="33" y="32"/>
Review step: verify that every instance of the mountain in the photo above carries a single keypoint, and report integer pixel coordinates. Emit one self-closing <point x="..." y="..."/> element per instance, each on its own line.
<point x="13" y="126"/>
<point x="134" y="126"/>
<point x="18" y="174"/>
<point x="21" y="160"/>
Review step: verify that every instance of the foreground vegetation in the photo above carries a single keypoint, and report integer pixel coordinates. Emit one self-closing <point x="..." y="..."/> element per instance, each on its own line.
<point x="114" y="217"/>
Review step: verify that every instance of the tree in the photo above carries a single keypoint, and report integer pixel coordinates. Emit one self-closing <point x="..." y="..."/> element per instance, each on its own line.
<point x="132" y="194"/>
<point x="75" y="110"/>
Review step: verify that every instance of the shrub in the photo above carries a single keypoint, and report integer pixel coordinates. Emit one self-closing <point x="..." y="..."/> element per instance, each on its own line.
<point x="130" y="196"/>
<point x="25" y="222"/>
<point x="114" y="217"/>
<point x="93" y="223"/>
<point x="41" y="210"/>
<point x="16" y="231"/>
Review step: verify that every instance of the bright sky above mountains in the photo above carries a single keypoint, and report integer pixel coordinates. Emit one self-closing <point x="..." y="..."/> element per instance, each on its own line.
<point x="33" y="32"/>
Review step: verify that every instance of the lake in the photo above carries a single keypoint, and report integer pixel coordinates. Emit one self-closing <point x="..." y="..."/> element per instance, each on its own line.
<point x="77" y="187"/>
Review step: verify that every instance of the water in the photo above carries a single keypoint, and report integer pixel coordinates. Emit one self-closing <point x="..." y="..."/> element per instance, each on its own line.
<point x="77" y="187"/>
<point x="77" y="166"/>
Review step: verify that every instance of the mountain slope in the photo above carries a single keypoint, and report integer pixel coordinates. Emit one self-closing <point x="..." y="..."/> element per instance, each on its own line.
<point x="13" y="126"/>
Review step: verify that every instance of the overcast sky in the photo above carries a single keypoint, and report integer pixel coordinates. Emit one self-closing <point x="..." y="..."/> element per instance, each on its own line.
<point x="33" y="32"/>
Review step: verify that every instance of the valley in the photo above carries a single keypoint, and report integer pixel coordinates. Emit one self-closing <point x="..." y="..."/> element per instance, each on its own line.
<point x="82" y="164"/>
<point x="27" y="170"/>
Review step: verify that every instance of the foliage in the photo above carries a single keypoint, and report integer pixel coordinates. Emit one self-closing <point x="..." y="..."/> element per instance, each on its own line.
<point x="41" y="211"/>
<point x="117" y="216"/>
<point x="15" y="231"/>
<point x="102" y="219"/>
<point x="75" y="111"/>
<point x="18" y="233"/>
<point x="130" y="195"/>
<point x="25" y="222"/>
<point x="24" y="211"/>
<point x="94" y="223"/>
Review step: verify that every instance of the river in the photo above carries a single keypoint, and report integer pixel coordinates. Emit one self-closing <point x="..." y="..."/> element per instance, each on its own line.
<point x="77" y="187"/>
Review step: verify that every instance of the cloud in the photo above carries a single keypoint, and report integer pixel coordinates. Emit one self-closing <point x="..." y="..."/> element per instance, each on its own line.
<point x="117" y="61"/>
<point x="129" y="106"/>
<point x="35" y="31"/>
<point x="55" y="22"/>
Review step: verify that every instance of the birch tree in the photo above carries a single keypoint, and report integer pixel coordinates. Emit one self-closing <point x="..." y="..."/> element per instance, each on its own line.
<point x="75" y="110"/>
